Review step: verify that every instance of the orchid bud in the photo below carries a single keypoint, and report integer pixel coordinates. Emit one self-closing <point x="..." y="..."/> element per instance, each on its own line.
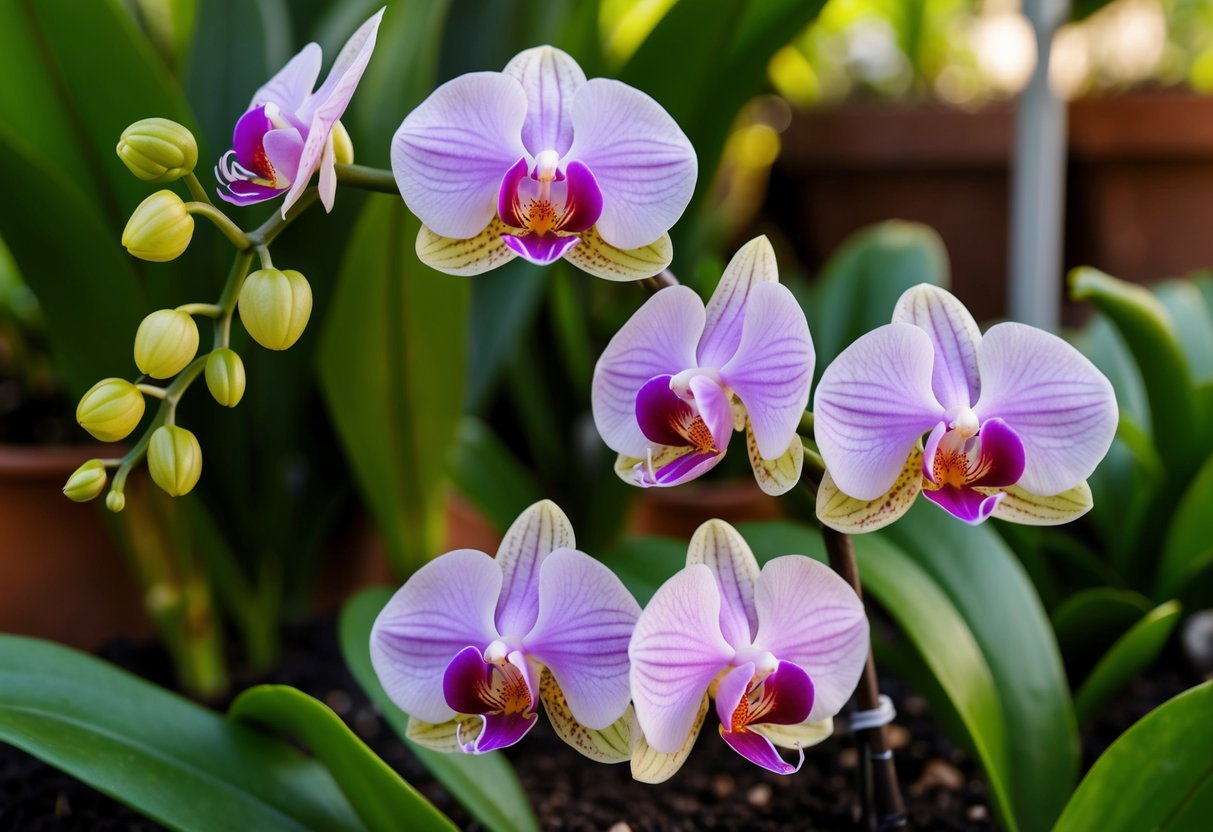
<point x="87" y="482"/>
<point x="174" y="459"/>
<point x="158" y="150"/>
<point x="225" y="377"/>
<point x="275" y="306"/>
<point x="160" y="229"/>
<point x="110" y="409"/>
<point x="166" y="341"/>
<point x="115" y="501"/>
<point x="343" y="147"/>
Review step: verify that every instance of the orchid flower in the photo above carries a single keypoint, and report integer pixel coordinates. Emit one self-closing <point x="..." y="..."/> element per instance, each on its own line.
<point x="1017" y="419"/>
<point x="469" y="645"/>
<point x="538" y="162"/>
<point x="779" y="650"/>
<point x="289" y="132"/>
<point x="678" y="379"/>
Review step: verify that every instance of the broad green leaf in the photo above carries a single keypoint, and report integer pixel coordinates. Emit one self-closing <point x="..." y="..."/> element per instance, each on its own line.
<point x="645" y="563"/>
<point x="1101" y="342"/>
<point x="487" y="473"/>
<point x="485" y="784"/>
<point x="1158" y="775"/>
<point x="989" y="588"/>
<point x="505" y="305"/>
<point x="162" y="755"/>
<point x="1193" y="324"/>
<point x="1189" y="540"/>
<point x="381" y="798"/>
<point x="391" y="354"/>
<point x="1132" y="653"/>
<point x="1092" y="619"/>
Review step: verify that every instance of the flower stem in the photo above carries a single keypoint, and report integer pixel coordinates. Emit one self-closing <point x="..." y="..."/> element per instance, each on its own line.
<point x="207" y="310"/>
<point x="196" y="190"/>
<point x="658" y="282"/>
<point x="367" y="178"/>
<point x="890" y="808"/>
<point x="222" y="221"/>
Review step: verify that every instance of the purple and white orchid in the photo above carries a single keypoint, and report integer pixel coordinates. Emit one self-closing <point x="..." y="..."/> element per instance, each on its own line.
<point x="538" y="162"/>
<point x="289" y="132"/>
<point x="678" y="379"/>
<point x="470" y="644"/>
<point x="1017" y="420"/>
<point x="780" y="650"/>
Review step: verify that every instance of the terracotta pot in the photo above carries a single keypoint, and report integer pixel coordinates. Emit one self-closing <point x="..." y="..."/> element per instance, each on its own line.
<point x="61" y="575"/>
<point x="678" y="512"/>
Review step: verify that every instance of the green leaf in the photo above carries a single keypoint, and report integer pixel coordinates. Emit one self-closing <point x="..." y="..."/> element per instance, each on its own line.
<point x="1189" y="540"/>
<point x="1193" y="323"/>
<point x="162" y="755"/>
<point x="381" y="798"/>
<point x="391" y="353"/>
<point x="505" y="305"/>
<point x="1131" y="654"/>
<point x="487" y="473"/>
<point x="1158" y="775"/>
<point x="1092" y="619"/>
<point x="484" y="784"/>
<point x="645" y="563"/>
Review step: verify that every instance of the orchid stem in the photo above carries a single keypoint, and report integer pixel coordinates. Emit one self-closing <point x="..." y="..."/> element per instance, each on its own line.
<point x="660" y="281"/>
<point x="196" y="190"/>
<point x="367" y="178"/>
<point x="890" y="808"/>
<point x="222" y="221"/>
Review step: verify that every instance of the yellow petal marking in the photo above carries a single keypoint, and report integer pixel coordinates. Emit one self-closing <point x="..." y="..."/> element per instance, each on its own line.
<point x="795" y="736"/>
<point x="849" y="515"/>
<point x="601" y="259"/>
<point x="612" y="744"/>
<point x="650" y="766"/>
<point x="775" y="476"/>
<point x="465" y="258"/>
<point x="1020" y="506"/>
<point x="443" y="736"/>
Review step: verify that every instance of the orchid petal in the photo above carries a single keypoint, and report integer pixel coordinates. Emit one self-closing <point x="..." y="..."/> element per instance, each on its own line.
<point x="1062" y="407"/>
<point x="509" y="204"/>
<point x="754" y="263"/>
<point x="775" y="476"/>
<point x="450" y="153"/>
<point x="612" y="744"/>
<point x="644" y="163"/>
<point x="965" y="503"/>
<point x="759" y="750"/>
<point x="872" y="405"/>
<point x="809" y="616"/>
<point x="729" y="690"/>
<point x="582" y="198"/>
<point x="550" y="78"/>
<point x="773" y="366"/>
<point x="659" y="409"/>
<point x="659" y="339"/>
<point x="247" y="137"/>
<point x="293" y="83"/>
<point x="466" y="258"/>
<point x="715" y="407"/>
<point x="851" y="516"/>
<point x="954" y="336"/>
<point x="666" y="467"/>
<point x="676" y="652"/>
<point x="596" y="256"/>
<point x="540" y="530"/>
<point x="786" y="697"/>
<point x="542" y="250"/>
<point x="447" y="737"/>
<point x="246" y="193"/>
<point x="586" y="617"/>
<point x="467" y="681"/>
<point x="326" y="179"/>
<point x="283" y="148"/>
<point x="1000" y="457"/>
<point x="803" y="735"/>
<point x="652" y="766"/>
<point x="1020" y="506"/>
<point x="446" y="606"/>
<point x="721" y="548"/>
<point x="498" y="731"/>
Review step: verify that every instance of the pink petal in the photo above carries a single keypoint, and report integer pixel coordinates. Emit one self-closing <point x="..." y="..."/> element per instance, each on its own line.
<point x="509" y="203"/>
<point x="540" y="250"/>
<point x="283" y="147"/>
<point x="720" y="547"/>
<point x="730" y="689"/>
<point x="773" y="367"/>
<point x="674" y="466"/>
<point x="954" y="336"/>
<point x="293" y="83"/>
<point x="540" y="530"/>
<point x="658" y="409"/>
<point x="871" y="406"/>
<point x="450" y="154"/>
<point x="550" y="77"/>
<point x="500" y="731"/>
<point x="809" y="616"/>
<point x="1060" y="405"/>
<point x="760" y="751"/>
<point x="716" y="409"/>
<point x="582" y="198"/>
<point x="786" y="697"/>
<point x="659" y="339"/>
<point x="643" y="162"/>
<point x="964" y="503"/>
<point x="754" y="263"/>
<point x="326" y="180"/>
<point x="676" y="652"/>
<point x="586" y="618"/>
<point x="445" y="607"/>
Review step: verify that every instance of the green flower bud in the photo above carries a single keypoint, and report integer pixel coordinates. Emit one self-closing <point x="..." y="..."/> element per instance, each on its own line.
<point x="343" y="147"/>
<point x="160" y="229"/>
<point x="225" y="377"/>
<point x="158" y="150"/>
<point x="115" y="501"/>
<point x="275" y="306"/>
<point x="174" y="459"/>
<point x="87" y="482"/>
<point x="111" y="409"/>
<point x="167" y="340"/>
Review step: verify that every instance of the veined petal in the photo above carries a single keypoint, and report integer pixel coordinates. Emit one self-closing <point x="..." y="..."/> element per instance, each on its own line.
<point x="293" y="83"/>
<point x="450" y="153"/>
<point x="1063" y="408"/>
<point x="509" y="204"/>
<point x="851" y="516"/>
<point x="644" y="163"/>
<point x="1020" y="506"/>
<point x="582" y="198"/>
<point x="676" y="652"/>
<point x="497" y="731"/>
<point x="785" y="698"/>
<point x="775" y="476"/>
<point x="347" y="68"/>
<point x="540" y="530"/>
<point x="809" y="616"/>
<point x="804" y="735"/>
<point x="596" y="256"/>
<point x="550" y="77"/>
<point x="652" y="766"/>
<point x="729" y="691"/>
<point x="659" y="339"/>
<point x="666" y="466"/>
<point x="283" y="147"/>
<point x="773" y="366"/>
<point x="612" y="744"/>
<point x="542" y="250"/>
<point x="466" y="258"/>
<point x="872" y="405"/>
<point x="326" y="175"/>
<point x="965" y="503"/>
<point x="759" y="750"/>
<point x="721" y="548"/>
<point x="586" y="618"/>
<point x="754" y="263"/>
<point x="446" y="606"/>
<point x="445" y="736"/>
<point x="954" y="336"/>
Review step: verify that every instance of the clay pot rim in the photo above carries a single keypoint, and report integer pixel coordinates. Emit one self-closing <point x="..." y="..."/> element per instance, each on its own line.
<point x="50" y="461"/>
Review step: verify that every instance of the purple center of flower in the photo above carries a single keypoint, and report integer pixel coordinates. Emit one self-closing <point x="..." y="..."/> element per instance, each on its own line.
<point x="264" y="156"/>
<point x="960" y="459"/>
<point x="782" y="697"/>
<point x="548" y="205"/>
<point x="499" y="692"/>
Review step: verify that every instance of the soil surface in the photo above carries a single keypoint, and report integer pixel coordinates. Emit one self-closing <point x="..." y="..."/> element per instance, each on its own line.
<point x="715" y="790"/>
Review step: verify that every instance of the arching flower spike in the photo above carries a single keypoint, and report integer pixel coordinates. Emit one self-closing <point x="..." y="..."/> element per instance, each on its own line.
<point x="537" y="162"/>
<point x="779" y="650"/>
<point x="1017" y="420"/>
<point x="289" y="132"/>
<point x="471" y="644"/>
<point x="678" y="379"/>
